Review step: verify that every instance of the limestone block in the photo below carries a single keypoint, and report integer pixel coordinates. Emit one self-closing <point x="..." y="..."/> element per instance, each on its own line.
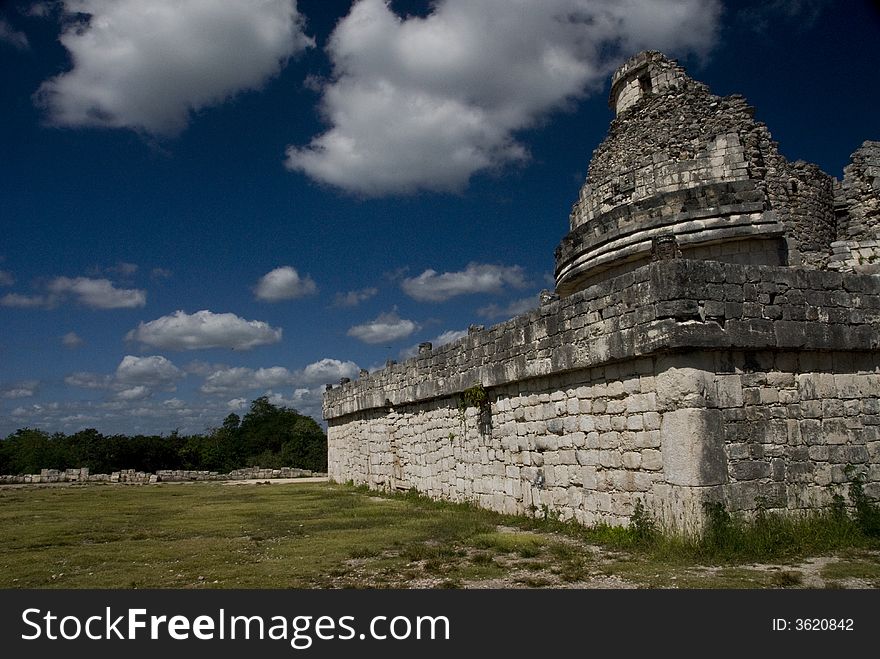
<point x="683" y="387"/>
<point x="651" y="420"/>
<point x="692" y="447"/>
<point x="631" y="459"/>
<point x="652" y="460"/>
<point x="729" y="391"/>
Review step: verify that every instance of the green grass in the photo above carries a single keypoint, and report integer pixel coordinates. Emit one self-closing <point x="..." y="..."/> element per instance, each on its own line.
<point x="326" y="535"/>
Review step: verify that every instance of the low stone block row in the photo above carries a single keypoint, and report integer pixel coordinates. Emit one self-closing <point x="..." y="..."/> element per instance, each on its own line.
<point x="82" y="475"/>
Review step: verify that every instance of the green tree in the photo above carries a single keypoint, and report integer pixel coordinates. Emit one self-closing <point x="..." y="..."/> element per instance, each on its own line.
<point x="29" y="450"/>
<point x="279" y="436"/>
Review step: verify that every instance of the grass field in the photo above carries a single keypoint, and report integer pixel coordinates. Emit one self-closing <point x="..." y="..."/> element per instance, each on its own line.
<point x="324" y="535"/>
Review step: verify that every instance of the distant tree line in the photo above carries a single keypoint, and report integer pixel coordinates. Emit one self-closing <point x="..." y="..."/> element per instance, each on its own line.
<point x="267" y="436"/>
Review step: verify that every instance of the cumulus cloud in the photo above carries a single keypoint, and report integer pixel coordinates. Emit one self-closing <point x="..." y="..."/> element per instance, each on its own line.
<point x="423" y="103"/>
<point x="238" y="379"/>
<point x="154" y="371"/>
<point x="307" y="383"/>
<point x="304" y="400"/>
<point x="86" y="380"/>
<point x="198" y="367"/>
<point x="92" y="293"/>
<point x="385" y="327"/>
<point x="476" y="278"/>
<point x="204" y="329"/>
<point x="138" y="392"/>
<point x="18" y="301"/>
<point x="446" y="337"/>
<point x="19" y="389"/>
<point x="9" y="35"/>
<point x="354" y="298"/>
<point x="6" y="278"/>
<point x="284" y="283"/>
<point x="148" y="65"/>
<point x="71" y="340"/>
<point x="509" y="310"/>
<point x="130" y="411"/>
<point x="96" y="293"/>
<point x="135" y="378"/>
<point x="327" y="370"/>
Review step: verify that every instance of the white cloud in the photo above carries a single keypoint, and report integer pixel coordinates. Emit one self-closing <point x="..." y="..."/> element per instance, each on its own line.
<point x="20" y="390"/>
<point x="71" y="340"/>
<point x="384" y="328"/>
<point x="239" y="379"/>
<point x="13" y="37"/>
<point x="97" y="293"/>
<point x="134" y="393"/>
<point x="92" y="293"/>
<point x="423" y="103"/>
<point x="237" y="404"/>
<point x="6" y="278"/>
<point x="446" y="337"/>
<point x="86" y="380"/>
<point x="148" y="65"/>
<point x="303" y="400"/>
<point x="354" y="298"/>
<point x="130" y="411"/>
<point x="476" y="278"/>
<point x="204" y="329"/>
<point x="154" y="371"/>
<point x="135" y="378"/>
<point x="284" y="284"/>
<point x="510" y="310"/>
<point x="327" y="370"/>
<point x="24" y="301"/>
<point x="198" y="367"/>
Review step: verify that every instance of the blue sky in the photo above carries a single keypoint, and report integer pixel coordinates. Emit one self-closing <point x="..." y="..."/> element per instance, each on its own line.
<point x="205" y="202"/>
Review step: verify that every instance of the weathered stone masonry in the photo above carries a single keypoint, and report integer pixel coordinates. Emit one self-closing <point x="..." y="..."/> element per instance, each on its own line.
<point x="687" y="360"/>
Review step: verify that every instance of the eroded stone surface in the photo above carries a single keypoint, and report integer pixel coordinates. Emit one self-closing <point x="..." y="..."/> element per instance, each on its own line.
<point x="713" y="337"/>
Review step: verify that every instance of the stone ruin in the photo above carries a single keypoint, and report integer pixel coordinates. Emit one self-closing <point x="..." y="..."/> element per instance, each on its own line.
<point x="713" y="337"/>
<point x="83" y="475"/>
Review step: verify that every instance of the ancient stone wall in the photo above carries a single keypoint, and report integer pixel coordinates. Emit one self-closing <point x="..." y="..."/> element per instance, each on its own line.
<point x="803" y="197"/>
<point x="717" y="337"/>
<point x="857" y="202"/>
<point x="679" y="382"/>
<point x="776" y="429"/>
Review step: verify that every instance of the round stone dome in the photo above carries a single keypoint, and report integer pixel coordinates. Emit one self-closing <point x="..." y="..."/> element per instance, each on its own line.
<point x="683" y="172"/>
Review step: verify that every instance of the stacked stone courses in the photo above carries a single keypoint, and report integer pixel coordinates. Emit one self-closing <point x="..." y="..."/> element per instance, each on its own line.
<point x="704" y="343"/>
<point x="857" y="203"/>
<point x="82" y="475"/>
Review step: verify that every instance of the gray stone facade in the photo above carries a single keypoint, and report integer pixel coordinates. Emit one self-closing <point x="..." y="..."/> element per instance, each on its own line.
<point x="707" y="343"/>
